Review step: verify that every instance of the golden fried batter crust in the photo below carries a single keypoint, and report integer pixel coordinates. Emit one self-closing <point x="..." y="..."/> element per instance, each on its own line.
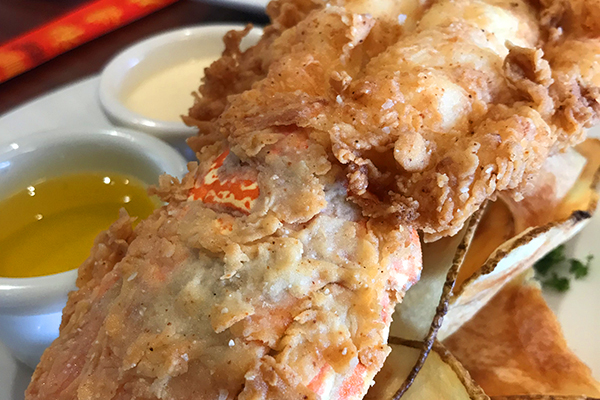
<point x="431" y="107"/>
<point x="292" y="299"/>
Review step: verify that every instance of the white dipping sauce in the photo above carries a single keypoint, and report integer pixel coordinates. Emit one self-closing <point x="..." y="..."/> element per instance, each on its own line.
<point x="166" y="95"/>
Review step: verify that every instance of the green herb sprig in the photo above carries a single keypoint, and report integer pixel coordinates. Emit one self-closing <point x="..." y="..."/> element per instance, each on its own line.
<point x="549" y="267"/>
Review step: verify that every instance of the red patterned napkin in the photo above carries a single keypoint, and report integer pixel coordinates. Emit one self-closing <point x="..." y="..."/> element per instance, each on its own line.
<point x="69" y="31"/>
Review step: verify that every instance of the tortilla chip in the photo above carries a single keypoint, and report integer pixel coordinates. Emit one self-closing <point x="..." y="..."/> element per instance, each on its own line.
<point x="441" y="377"/>
<point x="542" y="397"/>
<point x="420" y="315"/>
<point x="512" y="236"/>
<point x="514" y="346"/>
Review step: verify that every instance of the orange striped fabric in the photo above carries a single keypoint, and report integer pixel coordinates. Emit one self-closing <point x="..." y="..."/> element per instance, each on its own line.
<point x="69" y="31"/>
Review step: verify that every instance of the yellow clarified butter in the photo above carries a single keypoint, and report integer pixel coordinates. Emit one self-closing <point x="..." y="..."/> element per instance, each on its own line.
<point x="50" y="226"/>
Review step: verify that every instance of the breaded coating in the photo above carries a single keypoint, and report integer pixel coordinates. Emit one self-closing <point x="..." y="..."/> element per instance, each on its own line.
<point x="431" y="107"/>
<point x="247" y="285"/>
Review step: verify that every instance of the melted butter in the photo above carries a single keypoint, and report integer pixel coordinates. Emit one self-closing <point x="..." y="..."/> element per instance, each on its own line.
<point x="166" y="95"/>
<point x="49" y="227"/>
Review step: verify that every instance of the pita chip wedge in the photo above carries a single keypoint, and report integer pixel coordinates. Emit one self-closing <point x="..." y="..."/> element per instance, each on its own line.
<point x="418" y="318"/>
<point x="441" y="376"/>
<point x="419" y="367"/>
<point x="542" y="397"/>
<point x="512" y="236"/>
<point x="514" y="347"/>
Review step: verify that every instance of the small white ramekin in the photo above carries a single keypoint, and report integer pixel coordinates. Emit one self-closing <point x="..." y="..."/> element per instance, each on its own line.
<point x="31" y="308"/>
<point x="155" y="54"/>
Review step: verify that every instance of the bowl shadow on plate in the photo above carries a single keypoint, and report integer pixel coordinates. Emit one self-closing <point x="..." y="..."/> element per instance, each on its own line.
<point x="21" y="381"/>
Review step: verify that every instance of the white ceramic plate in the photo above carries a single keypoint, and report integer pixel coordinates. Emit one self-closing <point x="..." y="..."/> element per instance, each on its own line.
<point x="578" y="310"/>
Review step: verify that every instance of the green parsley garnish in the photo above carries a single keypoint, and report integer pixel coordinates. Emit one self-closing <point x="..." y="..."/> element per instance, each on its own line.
<point x="557" y="283"/>
<point x="579" y="269"/>
<point x="550" y="260"/>
<point x="553" y="272"/>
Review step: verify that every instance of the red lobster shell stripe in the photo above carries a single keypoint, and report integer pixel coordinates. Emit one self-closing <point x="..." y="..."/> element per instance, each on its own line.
<point x="235" y="193"/>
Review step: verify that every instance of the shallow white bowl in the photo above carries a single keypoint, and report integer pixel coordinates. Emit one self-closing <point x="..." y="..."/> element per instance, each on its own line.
<point x="140" y="61"/>
<point x="31" y="308"/>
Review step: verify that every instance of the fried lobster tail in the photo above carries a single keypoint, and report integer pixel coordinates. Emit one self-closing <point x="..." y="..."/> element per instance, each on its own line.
<point x="216" y="296"/>
<point x="465" y="99"/>
<point x="273" y="270"/>
<point x="258" y="280"/>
